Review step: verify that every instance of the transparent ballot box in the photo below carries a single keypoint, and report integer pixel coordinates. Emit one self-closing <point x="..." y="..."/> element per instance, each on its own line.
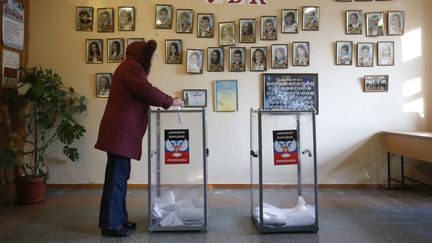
<point x="283" y="171"/>
<point x="177" y="157"/>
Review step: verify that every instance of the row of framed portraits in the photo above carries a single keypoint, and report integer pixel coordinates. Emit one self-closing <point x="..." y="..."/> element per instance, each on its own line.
<point x="105" y="19"/>
<point x="365" y="53"/>
<point x="237" y="57"/>
<point x="375" y="23"/>
<point x="206" y="23"/>
<point x="116" y="49"/>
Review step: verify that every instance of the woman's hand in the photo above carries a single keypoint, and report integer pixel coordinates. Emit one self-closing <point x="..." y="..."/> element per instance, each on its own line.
<point x="177" y="102"/>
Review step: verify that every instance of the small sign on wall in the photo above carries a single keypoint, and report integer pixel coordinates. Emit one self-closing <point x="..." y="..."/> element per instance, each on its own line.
<point x="177" y="146"/>
<point x="285" y="148"/>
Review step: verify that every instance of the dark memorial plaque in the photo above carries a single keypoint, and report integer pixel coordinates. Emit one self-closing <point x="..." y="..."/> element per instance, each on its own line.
<point x="284" y="91"/>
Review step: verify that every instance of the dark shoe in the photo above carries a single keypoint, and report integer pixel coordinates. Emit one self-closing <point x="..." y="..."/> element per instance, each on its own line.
<point x="123" y="232"/>
<point x="129" y="225"/>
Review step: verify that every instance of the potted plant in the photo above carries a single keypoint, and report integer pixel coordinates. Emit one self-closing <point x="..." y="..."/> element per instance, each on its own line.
<point x="47" y="110"/>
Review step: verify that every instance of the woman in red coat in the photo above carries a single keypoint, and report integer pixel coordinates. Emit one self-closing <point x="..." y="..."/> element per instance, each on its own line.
<point x="122" y="129"/>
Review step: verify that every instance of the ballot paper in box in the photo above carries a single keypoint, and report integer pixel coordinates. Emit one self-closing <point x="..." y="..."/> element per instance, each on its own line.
<point x="283" y="171"/>
<point x="177" y="170"/>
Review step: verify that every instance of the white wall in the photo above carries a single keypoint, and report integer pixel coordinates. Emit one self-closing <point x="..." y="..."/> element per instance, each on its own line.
<point x="349" y="149"/>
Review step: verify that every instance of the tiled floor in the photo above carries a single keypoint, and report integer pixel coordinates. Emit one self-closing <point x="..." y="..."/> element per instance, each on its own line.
<point x="344" y="216"/>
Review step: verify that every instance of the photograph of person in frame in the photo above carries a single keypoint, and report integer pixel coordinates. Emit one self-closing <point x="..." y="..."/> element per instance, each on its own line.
<point x="247" y="31"/>
<point x="173" y="51"/>
<point x="289" y="21"/>
<point x="103" y="84"/>
<point x="194" y="61"/>
<point x="301" y="54"/>
<point x="94" y="51"/>
<point x="354" y="22"/>
<point x="237" y="59"/>
<point x="84" y="19"/>
<point x="215" y="60"/>
<point x="259" y="59"/>
<point x="268" y="28"/>
<point x="279" y="56"/>
<point x="184" y="21"/>
<point x="115" y="50"/>
<point x="375" y="24"/>
<point x="105" y="20"/>
<point x="126" y="19"/>
<point x="226" y="34"/>
<point x="163" y="16"/>
<point x="205" y="25"/>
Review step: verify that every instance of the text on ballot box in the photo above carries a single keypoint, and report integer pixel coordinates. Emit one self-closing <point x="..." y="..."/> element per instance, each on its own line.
<point x="283" y="171"/>
<point x="177" y="157"/>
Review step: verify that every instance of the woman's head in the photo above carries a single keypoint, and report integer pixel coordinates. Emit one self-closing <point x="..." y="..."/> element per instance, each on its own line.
<point x="94" y="48"/>
<point x="84" y="17"/>
<point x="301" y="51"/>
<point x="247" y="28"/>
<point x="344" y="50"/>
<point x="205" y="22"/>
<point x="174" y="50"/>
<point x="184" y="18"/>
<point x="258" y="56"/>
<point x="194" y="58"/>
<point x="104" y="82"/>
<point x="290" y="19"/>
<point x="216" y="56"/>
<point x="125" y="17"/>
<point x="280" y="54"/>
<point x="354" y="18"/>
<point x="115" y="47"/>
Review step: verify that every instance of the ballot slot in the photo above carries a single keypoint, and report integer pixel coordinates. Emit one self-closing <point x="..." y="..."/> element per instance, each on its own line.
<point x="177" y="170"/>
<point x="283" y="171"/>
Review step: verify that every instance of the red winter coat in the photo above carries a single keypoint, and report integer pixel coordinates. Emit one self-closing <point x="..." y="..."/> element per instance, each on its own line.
<point x="125" y="118"/>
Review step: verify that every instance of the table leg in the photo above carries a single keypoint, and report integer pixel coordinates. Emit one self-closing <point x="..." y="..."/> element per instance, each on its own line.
<point x="402" y="172"/>
<point x="388" y="171"/>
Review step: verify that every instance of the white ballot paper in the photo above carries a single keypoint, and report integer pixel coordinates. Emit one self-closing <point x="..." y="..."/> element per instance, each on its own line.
<point x="185" y="209"/>
<point x="300" y="215"/>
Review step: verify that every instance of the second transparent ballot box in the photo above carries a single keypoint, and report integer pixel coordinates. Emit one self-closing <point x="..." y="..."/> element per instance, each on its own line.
<point x="283" y="171"/>
<point x="177" y="157"/>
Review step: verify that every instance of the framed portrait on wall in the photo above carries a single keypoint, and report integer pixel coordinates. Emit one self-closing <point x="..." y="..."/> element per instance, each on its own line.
<point x="289" y="21"/>
<point x="215" y="59"/>
<point x="184" y="21"/>
<point x="237" y="59"/>
<point x="301" y="54"/>
<point x="103" y="84"/>
<point x="311" y="18"/>
<point x="385" y="53"/>
<point x="94" y="51"/>
<point x="376" y="83"/>
<point x="279" y="58"/>
<point x="126" y="16"/>
<point x="258" y="56"/>
<point x="395" y="22"/>
<point x="375" y="24"/>
<point x="173" y="51"/>
<point x="115" y="50"/>
<point x="354" y="24"/>
<point x="205" y="25"/>
<point x="163" y="16"/>
<point x="365" y="54"/>
<point x="344" y="52"/>
<point x="105" y="21"/>
<point x="226" y="95"/>
<point x="84" y="19"/>
<point x="247" y="33"/>
<point x="194" y="61"/>
<point x="194" y="97"/>
<point x="278" y="96"/>
<point x="132" y="40"/>
<point x="268" y="28"/>
<point x="227" y="33"/>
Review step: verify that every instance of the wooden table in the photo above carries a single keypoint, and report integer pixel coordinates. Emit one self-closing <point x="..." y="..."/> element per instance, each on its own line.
<point x="416" y="145"/>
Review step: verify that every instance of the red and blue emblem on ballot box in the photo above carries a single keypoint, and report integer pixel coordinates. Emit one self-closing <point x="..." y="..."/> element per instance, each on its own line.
<point x="177" y="146"/>
<point x="285" y="147"/>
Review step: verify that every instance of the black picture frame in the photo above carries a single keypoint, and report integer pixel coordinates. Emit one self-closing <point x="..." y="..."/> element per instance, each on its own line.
<point x="84" y="18"/>
<point x="197" y="93"/>
<point x="105" y="20"/>
<point x="129" y="13"/>
<point x="290" y="91"/>
<point x="94" y="51"/>
<point x="167" y="11"/>
<point x="376" y="83"/>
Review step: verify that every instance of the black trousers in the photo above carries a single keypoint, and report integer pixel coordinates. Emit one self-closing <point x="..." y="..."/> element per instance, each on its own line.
<point x="113" y="204"/>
